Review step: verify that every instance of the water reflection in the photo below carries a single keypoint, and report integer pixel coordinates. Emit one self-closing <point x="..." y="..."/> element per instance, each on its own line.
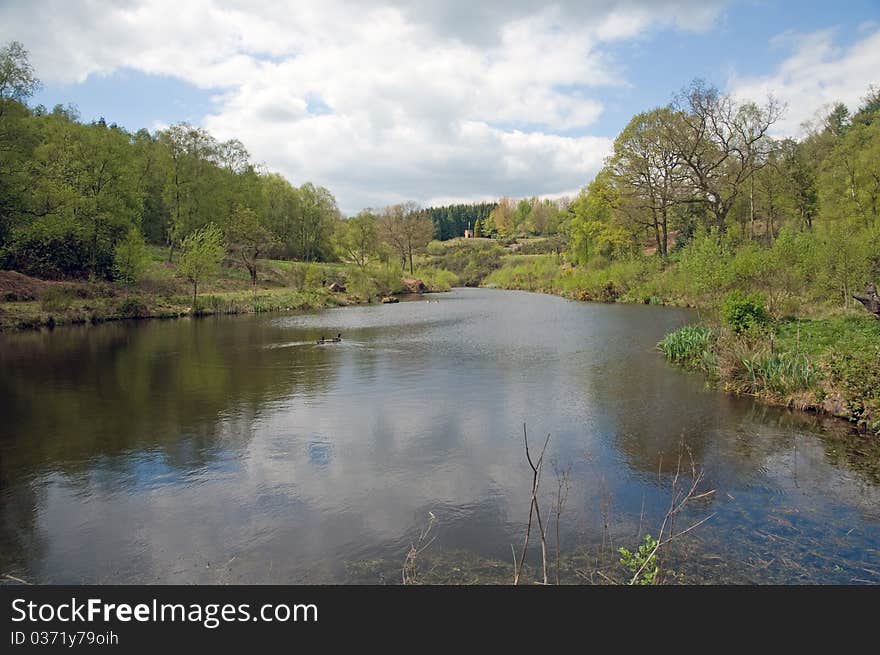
<point x="236" y="450"/>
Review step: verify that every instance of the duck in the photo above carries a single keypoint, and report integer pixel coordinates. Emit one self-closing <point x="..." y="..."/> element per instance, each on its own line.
<point x="324" y="340"/>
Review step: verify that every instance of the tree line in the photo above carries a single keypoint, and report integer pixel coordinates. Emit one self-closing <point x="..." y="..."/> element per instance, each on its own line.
<point x="706" y="170"/>
<point x="71" y="192"/>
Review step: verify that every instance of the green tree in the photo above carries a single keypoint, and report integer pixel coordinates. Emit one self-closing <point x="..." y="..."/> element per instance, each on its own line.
<point x="649" y="172"/>
<point x="202" y="252"/>
<point x="17" y="78"/>
<point x="248" y="239"/>
<point x="130" y="258"/>
<point x="359" y="237"/>
<point x="593" y="229"/>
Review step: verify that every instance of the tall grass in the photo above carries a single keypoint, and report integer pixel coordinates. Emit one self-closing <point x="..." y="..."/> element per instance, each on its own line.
<point x="690" y="346"/>
<point x="780" y="373"/>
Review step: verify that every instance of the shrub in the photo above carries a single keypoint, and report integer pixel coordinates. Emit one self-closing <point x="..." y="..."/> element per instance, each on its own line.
<point x="744" y="312"/>
<point x="643" y="562"/>
<point x="133" y="308"/>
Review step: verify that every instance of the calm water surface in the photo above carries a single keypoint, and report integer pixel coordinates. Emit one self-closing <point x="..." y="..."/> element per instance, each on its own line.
<point x="234" y="449"/>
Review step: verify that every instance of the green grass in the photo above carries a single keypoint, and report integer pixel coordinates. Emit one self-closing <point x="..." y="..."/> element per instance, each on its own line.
<point x="818" y="336"/>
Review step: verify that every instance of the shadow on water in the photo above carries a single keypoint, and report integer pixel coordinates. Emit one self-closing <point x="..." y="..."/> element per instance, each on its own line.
<point x="234" y="449"/>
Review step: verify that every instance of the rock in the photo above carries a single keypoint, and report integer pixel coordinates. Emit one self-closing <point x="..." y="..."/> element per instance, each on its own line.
<point x="337" y="288"/>
<point x="386" y="300"/>
<point x="836" y="405"/>
<point x="414" y="285"/>
<point x="871" y="299"/>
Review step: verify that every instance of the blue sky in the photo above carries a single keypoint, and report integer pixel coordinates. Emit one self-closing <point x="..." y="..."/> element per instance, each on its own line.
<point x="434" y="102"/>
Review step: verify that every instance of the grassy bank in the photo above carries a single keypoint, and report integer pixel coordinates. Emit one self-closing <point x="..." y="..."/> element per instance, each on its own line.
<point x="829" y="365"/>
<point x="28" y="303"/>
<point x="808" y="353"/>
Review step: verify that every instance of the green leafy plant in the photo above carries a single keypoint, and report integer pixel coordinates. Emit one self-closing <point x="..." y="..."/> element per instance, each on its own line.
<point x="642" y="563"/>
<point x="744" y="312"/>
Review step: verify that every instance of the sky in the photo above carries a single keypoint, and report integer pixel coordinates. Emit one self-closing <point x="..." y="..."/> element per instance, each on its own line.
<point x="385" y="101"/>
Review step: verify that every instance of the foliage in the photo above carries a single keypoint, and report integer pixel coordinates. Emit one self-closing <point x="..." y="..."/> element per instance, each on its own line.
<point x="689" y="346"/>
<point x="130" y="258"/>
<point x="777" y="372"/>
<point x="856" y="373"/>
<point x="450" y="221"/>
<point x="470" y="260"/>
<point x="202" y="253"/>
<point x="57" y="299"/>
<point x="644" y="561"/>
<point x="358" y="238"/>
<point x="248" y="238"/>
<point x="744" y="312"/>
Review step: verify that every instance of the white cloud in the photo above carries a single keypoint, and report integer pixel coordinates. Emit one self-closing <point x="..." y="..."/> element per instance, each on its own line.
<point x="420" y="100"/>
<point x="816" y="75"/>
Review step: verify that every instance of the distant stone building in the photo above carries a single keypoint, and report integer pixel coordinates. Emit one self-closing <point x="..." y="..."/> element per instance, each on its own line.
<point x="468" y="233"/>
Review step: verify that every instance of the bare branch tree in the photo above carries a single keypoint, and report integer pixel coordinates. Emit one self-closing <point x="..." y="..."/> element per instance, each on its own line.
<point x="563" y="486"/>
<point x="679" y="498"/>
<point x="533" y="509"/>
<point x="410" y="563"/>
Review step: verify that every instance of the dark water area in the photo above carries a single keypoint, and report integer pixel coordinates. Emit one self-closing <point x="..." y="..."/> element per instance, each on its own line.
<point x="236" y="450"/>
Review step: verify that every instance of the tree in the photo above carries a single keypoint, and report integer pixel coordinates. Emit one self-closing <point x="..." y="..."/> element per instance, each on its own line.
<point x="130" y="258"/>
<point x="190" y="192"/>
<point x="721" y="143"/>
<point x="17" y="79"/>
<point x="650" y="172"/>
<point x="202" y="253"/>
<point x="419" y="231"/>
<point x="18" y="134"/>
<point x="593" y="229"/>
<point x="317" y="212"/>
<point x="849" y="183"/>
<point x="84" y="175"/>
<point x="359" y="237"/>
<point x="407" y="230"/>
<point x="248" y="239"/>
<point x="501" y="217"/>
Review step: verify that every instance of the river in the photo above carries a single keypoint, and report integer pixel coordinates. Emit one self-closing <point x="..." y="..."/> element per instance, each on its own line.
<point x="236" y="450"/>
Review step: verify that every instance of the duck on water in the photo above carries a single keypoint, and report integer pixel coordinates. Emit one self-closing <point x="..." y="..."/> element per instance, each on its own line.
<point x="335" y="339"/>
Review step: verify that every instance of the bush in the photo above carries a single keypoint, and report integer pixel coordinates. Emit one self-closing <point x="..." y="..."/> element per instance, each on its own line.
<point x="744" y="312"/>
<point x="133" y="308"/>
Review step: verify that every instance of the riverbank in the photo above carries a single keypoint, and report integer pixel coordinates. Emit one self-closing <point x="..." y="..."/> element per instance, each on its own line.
<point x="31" y="303"/>
<point x="829" y="365"/>
<point x="822" y="359"/>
